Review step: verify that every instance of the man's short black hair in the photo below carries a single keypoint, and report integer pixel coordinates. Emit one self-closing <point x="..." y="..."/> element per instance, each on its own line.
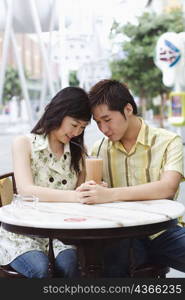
<point x="112" y="93"/>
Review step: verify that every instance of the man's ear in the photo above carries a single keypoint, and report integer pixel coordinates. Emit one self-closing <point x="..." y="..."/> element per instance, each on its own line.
<point x="128" y="110"/>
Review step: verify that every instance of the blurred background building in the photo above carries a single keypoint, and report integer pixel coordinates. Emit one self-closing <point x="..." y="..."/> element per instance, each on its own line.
<point x="75" y="38"/>
<point x="46" y="45"/>
<point x="55" y="43"/>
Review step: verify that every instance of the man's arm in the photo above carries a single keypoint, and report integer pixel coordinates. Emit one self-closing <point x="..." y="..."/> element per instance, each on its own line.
<point x="162" y="189"/>
<point x="165" y="188"/>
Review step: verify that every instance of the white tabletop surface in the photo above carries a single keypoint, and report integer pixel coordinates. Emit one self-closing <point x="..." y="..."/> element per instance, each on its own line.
<point x="81" y="216"/>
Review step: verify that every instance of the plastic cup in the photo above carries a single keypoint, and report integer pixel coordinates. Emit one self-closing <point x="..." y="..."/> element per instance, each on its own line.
<point x="94" y="169"/>
<point x="16" y="201"/>
<point x="30" y="200"/>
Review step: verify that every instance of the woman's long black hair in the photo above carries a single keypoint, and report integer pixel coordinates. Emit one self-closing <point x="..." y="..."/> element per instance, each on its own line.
<point x="72" y="102"/>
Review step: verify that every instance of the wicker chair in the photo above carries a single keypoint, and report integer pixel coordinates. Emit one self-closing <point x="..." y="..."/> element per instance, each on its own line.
<point x="7" y="189"/>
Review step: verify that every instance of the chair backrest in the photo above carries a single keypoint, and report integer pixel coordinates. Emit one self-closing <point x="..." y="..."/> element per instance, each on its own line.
<point x="7" y="188"/>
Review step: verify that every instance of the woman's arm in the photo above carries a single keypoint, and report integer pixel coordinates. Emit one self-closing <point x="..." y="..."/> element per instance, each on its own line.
<point x="21" y="151"/>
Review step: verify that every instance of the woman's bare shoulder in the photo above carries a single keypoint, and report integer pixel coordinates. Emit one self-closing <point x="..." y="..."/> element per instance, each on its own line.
<point x="21" y="140"/>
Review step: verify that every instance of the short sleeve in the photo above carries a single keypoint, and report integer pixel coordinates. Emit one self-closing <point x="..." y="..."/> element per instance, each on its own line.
<point x="174" y="156"/>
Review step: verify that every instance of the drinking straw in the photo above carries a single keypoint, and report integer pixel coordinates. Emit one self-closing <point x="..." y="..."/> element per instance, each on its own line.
<point x="100" y="147"/>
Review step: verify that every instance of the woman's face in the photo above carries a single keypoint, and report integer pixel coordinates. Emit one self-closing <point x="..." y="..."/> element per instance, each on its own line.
<point x="69" y="128"/>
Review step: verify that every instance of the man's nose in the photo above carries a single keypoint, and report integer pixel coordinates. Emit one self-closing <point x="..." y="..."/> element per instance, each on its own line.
<point x="104" y="128"/>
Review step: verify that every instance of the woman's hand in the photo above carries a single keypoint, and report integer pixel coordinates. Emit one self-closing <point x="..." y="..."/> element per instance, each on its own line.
<point x="91" y="182"/>
<point x="92" y="193"/>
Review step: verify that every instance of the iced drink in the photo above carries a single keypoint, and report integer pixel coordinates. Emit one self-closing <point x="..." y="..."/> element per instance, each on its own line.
<point x="94" y="169"/>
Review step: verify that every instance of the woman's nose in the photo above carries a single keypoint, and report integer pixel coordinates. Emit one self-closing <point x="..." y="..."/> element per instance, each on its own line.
<point x="77" y="131"/>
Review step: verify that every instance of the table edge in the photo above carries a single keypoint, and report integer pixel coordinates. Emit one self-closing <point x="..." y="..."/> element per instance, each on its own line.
<point x="98" y="233"/>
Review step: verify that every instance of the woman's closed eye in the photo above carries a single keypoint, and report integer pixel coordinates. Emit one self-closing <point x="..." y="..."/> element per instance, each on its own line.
<point x="75" y="126"/>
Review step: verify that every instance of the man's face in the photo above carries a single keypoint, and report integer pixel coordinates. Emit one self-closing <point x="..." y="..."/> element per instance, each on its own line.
<point x="112" y="123"/>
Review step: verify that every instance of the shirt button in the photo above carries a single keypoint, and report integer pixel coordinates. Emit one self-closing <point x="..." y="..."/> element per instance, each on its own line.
<point x="51" y="179"/>
<point x="65" y="156"/>
<point x="64" y="181"/>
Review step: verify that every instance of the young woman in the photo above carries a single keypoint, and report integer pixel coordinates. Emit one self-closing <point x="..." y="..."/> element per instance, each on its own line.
<point x="48" y="163"/>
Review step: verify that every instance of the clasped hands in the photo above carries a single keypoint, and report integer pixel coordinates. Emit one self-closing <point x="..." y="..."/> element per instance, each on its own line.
<point x="90" y="192"/>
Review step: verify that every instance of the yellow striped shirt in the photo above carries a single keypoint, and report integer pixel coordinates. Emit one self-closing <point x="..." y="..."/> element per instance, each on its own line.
<point x="155" y="151"/>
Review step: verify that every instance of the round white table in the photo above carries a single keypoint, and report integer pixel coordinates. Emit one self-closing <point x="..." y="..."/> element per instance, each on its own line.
<point x="91" y="227"/>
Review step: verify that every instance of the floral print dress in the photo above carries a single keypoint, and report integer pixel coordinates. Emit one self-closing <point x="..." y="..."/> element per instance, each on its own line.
<point x="47" y="171"/>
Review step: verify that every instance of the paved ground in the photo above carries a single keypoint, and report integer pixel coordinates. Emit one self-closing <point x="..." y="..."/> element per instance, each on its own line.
<point x="7" y="134"/>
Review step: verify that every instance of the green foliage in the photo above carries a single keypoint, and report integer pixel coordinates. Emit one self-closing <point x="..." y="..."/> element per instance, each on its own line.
<point x="137" y="68"/>
<point x="73" y="80"/>
<point x="12" y="85"/>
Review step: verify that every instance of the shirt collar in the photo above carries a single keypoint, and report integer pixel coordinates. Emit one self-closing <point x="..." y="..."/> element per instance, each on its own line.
<point x="42" y="142"/>
<point x="143" y="137"/>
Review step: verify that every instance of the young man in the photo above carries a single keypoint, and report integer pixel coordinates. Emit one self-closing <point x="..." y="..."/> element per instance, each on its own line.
<point x="140" y="163"/>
